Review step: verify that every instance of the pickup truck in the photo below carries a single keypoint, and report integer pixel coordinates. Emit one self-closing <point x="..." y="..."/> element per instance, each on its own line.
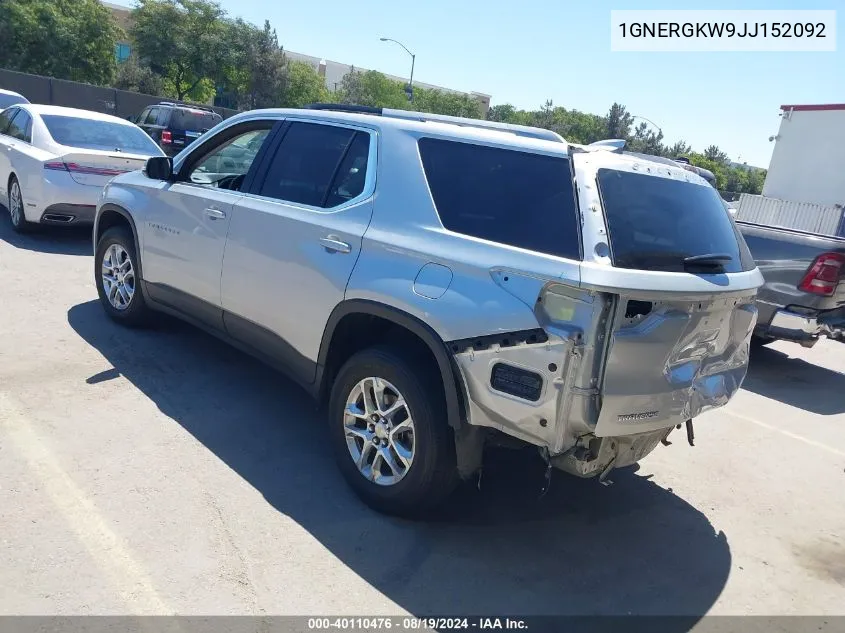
<point x="803" y="296"/>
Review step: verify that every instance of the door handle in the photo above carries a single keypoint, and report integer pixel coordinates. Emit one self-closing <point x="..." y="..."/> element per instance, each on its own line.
<point x="215" y="214"/>
<point x="332" y="244"/>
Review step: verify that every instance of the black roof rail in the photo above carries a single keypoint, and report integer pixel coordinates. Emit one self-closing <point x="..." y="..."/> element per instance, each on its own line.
<point x="344" y="107"/>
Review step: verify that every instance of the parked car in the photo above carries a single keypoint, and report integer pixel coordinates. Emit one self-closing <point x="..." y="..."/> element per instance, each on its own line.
<point x="439" y="284"/>
<point x="56" y="160"/>
<point x="10" y="98"/>
<point x="803" y="297"/>
<point x="174" y="126"/>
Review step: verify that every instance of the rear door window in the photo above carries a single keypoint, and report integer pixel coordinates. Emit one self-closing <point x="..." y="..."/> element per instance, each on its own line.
<point x="152" y="117"/>
<point x="306" y="163"/>
<point x="658" y="223"/>
<point x="194" y="120"/>
<point x="506" y="196"/>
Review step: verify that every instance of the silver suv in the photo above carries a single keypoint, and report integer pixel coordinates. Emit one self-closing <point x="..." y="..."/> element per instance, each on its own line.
<point x="443" y="283"/>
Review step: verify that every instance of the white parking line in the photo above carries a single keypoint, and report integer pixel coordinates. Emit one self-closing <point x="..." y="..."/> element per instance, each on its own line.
<point x="790" y="434"/>
<point x="129" y="578"/>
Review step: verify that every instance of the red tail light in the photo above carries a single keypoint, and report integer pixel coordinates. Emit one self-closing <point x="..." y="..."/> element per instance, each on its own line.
<point x="166" y="137"/>
<point x="83" y="169"/>
<point x="823" y="276"/>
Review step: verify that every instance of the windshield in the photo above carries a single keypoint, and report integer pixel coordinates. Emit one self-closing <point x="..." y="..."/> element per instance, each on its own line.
<point x="659" y="223"/>
<point x="194" y="120"/>
<point x="103" y="135"/>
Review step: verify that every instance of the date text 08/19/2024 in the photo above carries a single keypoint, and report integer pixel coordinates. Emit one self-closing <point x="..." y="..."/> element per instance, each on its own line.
<point x="414" y="623"/>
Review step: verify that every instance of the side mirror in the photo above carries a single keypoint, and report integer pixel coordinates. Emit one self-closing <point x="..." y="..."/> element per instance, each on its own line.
<point x="159" y="168"/>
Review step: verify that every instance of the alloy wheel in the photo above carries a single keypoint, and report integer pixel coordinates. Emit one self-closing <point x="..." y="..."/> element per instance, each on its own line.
<point x="15" y="203"/>
<point x="379" y="431"/>
<point x="118" y="277"/>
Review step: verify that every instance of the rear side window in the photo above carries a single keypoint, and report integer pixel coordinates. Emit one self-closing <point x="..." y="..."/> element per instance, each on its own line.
<point x="6" y="119"/>
<point x="516" y="198"/>
<point x="152" y="117"/>
<point x="307" y="162"/>
<point x="193" y="120"/>
<point x="21" y="126"/>
<point x="659" y="223"/>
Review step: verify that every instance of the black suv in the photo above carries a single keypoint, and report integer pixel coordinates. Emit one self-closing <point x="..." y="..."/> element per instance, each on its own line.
<point x="174" y="126"/>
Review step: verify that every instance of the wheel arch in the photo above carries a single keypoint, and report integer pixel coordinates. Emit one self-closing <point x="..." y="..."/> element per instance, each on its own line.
<point x="111" y="215"/>
<point x="453" y="393"/>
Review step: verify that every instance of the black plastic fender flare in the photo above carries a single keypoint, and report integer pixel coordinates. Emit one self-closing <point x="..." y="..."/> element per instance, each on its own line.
<point x="422" y="330"/>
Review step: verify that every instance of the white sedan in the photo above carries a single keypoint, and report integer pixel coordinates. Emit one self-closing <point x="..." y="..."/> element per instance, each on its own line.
<point x="54" y="162"/>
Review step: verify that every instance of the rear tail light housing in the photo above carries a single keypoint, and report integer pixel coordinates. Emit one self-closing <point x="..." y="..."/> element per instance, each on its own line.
<point x="824" y="274"/>
<point x="166" y="137"/>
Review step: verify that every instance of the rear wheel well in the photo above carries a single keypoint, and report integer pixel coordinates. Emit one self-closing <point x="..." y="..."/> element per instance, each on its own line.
<point x="357" y="331"/>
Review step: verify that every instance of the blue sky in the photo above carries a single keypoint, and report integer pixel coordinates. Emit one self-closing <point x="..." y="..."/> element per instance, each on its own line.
<point x="525" y="53"/>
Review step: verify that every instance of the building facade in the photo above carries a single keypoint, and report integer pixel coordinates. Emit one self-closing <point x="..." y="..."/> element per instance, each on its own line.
<point x="809" y="155"/>
<point x="123" y="17"/>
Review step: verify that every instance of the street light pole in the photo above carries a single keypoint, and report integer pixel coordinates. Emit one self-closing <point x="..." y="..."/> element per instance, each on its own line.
<point x="653" y="124"/>
<point x="413" y="59"/>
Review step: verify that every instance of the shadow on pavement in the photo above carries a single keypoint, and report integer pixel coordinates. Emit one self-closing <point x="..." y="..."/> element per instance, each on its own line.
<point x="583" y="549"/>
<point x="59" y="240"/>
<point x="795" y="382"/>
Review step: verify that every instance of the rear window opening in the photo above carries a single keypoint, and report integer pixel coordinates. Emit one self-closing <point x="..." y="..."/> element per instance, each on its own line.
<point x="507" y="196"/>
<point x="657" y="223"/>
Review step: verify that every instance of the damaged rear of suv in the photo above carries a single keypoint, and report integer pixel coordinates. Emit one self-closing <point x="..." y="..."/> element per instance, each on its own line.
<point x="590" y="302"/>
<point x="649" y="332"/>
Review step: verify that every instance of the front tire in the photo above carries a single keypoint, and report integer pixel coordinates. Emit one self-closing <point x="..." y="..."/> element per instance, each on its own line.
<point x="16" y="207"/>
<point x="389" y="432"/>
<point x="117" y="278"/>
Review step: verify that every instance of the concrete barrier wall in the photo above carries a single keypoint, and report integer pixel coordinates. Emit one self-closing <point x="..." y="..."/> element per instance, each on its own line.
<point x="73" y="94"/>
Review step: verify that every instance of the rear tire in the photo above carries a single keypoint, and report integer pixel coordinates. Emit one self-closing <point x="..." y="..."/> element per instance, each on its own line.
<point x="16" y="207"/>
<point x="117" y="278"/>
<point x="423" y="450"/>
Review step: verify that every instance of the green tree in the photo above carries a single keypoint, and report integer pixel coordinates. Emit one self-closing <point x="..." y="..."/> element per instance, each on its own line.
<point x="301" y="85"/>
<point x="618" y="122"/>
<point x="255" y="68"/>
<point x="646" y="141"/>
<point x="441" y="102"/>
<point x="131" y="75"/>
<point x="68" y="39"/>
<point x="184" y="41"/>
<point x="680" y="148"/>
<point x="504" y="113"/>
<point x="372" y="88"/>
<point x="714" y="153"/>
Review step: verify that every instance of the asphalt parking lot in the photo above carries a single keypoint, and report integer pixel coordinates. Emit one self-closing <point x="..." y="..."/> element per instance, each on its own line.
<point x="160" y="471"/>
